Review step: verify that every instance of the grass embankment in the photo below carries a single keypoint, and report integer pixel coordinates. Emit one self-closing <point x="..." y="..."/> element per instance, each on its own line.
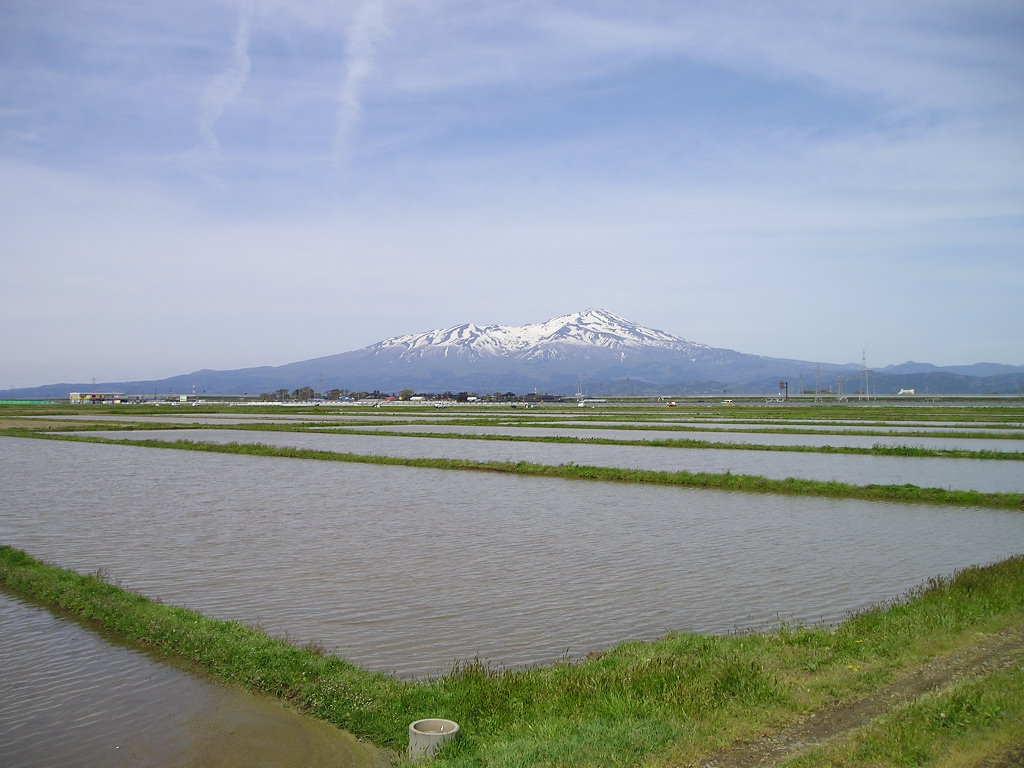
<point x="13" y="420"/>
<point x="991" y="414"/>
<point x="977" y="721"/>
<point x="671" y="702"/>
<point x="703" y="480"/>
<point x="393" y="429"/>
<point x="875" y="450"/>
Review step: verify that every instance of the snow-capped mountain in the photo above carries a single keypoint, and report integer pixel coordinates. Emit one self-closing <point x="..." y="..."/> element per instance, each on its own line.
<point x="609" y="353"/>
<point x="555" y="338"/>
<point x="603" y="352"/>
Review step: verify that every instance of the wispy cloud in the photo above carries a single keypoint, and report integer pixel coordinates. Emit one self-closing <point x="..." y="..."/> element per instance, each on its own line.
<point x="367" y="28"/>
<point x="226" y="86"/>
<point x="919" y="53"/>
<point x="666" y="138"/>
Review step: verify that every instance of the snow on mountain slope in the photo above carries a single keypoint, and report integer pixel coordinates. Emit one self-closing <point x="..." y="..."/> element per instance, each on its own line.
<point x="592" y="328"/>
<point x="552" y="356"/>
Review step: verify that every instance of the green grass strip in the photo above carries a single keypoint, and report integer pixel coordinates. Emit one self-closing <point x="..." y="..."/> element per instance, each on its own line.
<point x="364" y="703"/>
<point x="798" y="430"/>
<point x="705" y="480"/>
<point x="875" y="450"/>
<point x="974" y="721"/>
<point x="661" y="703"/>
<point x="360" y="429"/>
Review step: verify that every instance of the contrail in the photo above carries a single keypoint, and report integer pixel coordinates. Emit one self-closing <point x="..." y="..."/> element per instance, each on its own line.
<point x="367" y="28"/>
<point x="226" y="86"/>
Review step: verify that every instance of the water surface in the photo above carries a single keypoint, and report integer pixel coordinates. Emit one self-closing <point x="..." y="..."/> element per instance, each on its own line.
<point x="926" y="472"/>
<point x="73" y="698"/>
<point x="405" y="570"/>
<point x="754" y="437"/>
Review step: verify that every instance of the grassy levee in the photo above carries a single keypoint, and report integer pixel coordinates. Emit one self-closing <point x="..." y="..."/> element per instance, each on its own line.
<point x="393" y="430"/>
<point x="989" y="432"/>
<point x="1008" y="415"/>
<point x="325" y="686"/>
<point x="977" y="721"/>
<point x="665" y="703"/>
<point x="705" y="480"/>
<point x="683" y="444"/>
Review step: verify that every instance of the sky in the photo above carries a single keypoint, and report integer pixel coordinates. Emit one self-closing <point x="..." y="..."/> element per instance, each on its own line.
<point x="224" y="184"/>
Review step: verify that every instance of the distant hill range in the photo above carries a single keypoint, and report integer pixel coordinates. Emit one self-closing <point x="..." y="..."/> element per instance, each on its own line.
<point x="594" y="352"/>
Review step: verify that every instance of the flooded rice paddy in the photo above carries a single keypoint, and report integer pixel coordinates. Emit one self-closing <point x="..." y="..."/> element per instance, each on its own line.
<point x="957" y="474"/>
<point x="406" y="570"/>
<point x="752" y="437"/>
<point x="75" y="698"/>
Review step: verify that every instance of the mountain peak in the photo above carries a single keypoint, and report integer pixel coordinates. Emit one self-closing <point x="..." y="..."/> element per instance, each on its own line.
<point x="604" y="328"/>
<point x="596" y="328"/>
<point x="611" y="354"/>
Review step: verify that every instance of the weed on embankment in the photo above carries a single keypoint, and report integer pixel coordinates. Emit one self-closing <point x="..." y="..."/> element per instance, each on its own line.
<point x="652" y="703"/>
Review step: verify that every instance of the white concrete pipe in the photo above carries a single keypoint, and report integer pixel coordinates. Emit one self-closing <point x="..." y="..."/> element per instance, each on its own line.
<point x="426" y="737"/>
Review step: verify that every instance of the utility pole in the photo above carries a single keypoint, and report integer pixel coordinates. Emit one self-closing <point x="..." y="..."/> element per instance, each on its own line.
<point x="865" y="394"/>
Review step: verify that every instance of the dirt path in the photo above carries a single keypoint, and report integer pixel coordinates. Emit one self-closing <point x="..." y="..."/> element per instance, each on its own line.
<point x="988" y="653"/>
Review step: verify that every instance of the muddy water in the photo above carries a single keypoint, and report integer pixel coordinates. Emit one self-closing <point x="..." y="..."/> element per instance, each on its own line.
<point x="963" y="474"/>
<point x="405" y="570"/>
<point x="72" y="698"/>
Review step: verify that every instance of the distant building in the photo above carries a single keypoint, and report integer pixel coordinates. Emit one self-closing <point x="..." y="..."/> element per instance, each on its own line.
<point x="79" y="398"/>
<point x="906" y="392"/>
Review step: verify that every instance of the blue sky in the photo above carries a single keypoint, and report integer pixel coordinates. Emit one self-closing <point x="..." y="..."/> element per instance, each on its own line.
<point x="225" y="184"/>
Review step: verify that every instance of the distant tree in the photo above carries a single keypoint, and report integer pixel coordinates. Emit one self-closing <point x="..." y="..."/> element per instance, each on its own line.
<point x="304" y="393"/>
<point x="462" y="397"/>
<point x="281" y="394"/>
<point x="405" y="394"/>
<point x="336" y="394"/>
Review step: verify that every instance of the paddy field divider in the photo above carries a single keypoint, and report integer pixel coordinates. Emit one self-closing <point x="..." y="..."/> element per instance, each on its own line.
<point x="724" y="481"/>
<point x="664" y="703"/>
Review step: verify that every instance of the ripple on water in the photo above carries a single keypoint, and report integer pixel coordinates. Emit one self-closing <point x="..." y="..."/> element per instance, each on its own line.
<point x="926" y="472"/>
<point x="70" y="698"/>
<point x="405" y="570"/>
